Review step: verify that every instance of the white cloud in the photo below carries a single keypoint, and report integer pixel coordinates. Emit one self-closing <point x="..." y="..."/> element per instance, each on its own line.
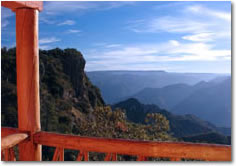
<point x="114" y="4"/>
<point x="152" y="56"/>
<point x="168" y="24"/>
<point x="60" y="7"/>
<point x="73" y="31"/>
<point x="67" y="22"/>
<point x="196" y="23"/>
<point x="106" y="45"/>
<point x="44" y="19"/>
<point x="104" y="65"/>
<point x="198" y="9"/>
<point x="5" y="15"/>
<point x="200" y="37"/>
<point x="171" y="51"/>
<point x="174" y="42"/>
<point x="44" y="47"/>
<point x="48" y="40"/>
<point x="176" y="25"/>
<point x="112" y="45"/>
<point x="4" y="23"/>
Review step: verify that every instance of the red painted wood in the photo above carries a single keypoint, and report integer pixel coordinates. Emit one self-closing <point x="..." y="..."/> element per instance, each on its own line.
<point x="114" y="157"/>
<point x="209" y="152"/>
<point x="61" y="154"/>
<point x="175" y="159"/>
<point x="108" y="157"/>
<point x="12" y="140"/>
<point x="56" y="155"/>
<point x="5" y="131"/>
<point x="13" y="5"/>
<point x="140" y="158"/>
<point x="12" y="154"/>
<point x="86" y="156"/>
<point x="6" y="155"/>
<point x="80" y="156"/>
<point x="27" y="62"/>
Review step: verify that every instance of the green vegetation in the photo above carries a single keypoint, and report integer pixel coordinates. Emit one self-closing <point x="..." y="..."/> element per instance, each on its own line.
<point x="70" y="104"/>
<point x="180" y="125"/>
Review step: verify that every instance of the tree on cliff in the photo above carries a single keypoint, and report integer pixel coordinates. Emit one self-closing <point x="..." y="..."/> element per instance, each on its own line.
<point x="71" y="104"/>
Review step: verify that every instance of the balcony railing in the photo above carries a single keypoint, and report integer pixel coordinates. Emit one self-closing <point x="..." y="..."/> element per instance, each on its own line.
<point x="29" y="119"/>
<point x="175" y="151"/>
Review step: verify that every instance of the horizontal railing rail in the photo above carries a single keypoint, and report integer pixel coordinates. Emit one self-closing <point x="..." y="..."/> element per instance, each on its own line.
<point x="5" y="131"/>
<point x="12" y="140"/>
<point x="208" y="152"/>
<point x="175" y="151"/>
<point x="11" y="137"/>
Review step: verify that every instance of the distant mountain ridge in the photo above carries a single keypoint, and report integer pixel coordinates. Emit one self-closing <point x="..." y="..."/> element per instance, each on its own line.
<point x="207" y="96"/>
<point x="181" y="125"/>
<point x="116" y="85"/>
<point x="165" y="97"/>
<point x="186" y="99"/>
<point x="211" y="103"/>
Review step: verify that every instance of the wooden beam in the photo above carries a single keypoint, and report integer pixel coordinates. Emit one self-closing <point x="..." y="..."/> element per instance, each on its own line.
<point x="208" y="152"/>
<point x="5" y="131"/>
<point x="13" y="5"/>
<point x="80" y="156"/>
<point x="12" y="140"/>
<point x="27" y="62"/>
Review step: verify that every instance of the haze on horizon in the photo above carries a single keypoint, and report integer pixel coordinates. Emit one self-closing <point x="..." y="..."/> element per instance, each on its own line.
<point x="186" y="37"/>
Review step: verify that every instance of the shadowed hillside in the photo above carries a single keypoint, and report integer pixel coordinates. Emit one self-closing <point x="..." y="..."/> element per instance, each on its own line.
<point x="71" y="104"/>
<point x="211" y="103"/>
<point x="180" y="125"/>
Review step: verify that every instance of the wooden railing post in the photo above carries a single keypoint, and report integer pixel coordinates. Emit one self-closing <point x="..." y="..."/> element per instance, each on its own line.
<point x="27" y="62"/>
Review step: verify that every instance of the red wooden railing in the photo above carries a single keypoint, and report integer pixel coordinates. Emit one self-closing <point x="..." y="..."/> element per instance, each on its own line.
<point x="29" y="118"/>
<point x="175" y="151"/>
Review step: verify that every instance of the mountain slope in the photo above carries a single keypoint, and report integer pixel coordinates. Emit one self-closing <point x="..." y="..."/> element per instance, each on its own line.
<point x="165" y="97"/>
<point x="116" y="85"/>
<point x="65" y="90"/>
<point x="70" y="103"/>
<point x="180" y="125"/>
<point x="202" y="99"/>
<point x="211" y="137"/>
<point x="212" y="103"/>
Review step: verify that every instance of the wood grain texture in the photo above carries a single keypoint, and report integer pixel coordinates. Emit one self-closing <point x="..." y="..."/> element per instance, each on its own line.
<point x="86" y="156"/>
<point x="61" y="154"/>
<point x="5" y="131"/>
<point x="27" y="62"/>
<point x="108" y="157"/>
<point x="210" y="152"/>
<point x="80" y="156"/>
<point x="7" y="155"/>
<point x="140" y="158"/>
<point x="175" y="159"/>
<point x="12" y="155"/>
<point x="114" y="157"/>
<point x="58" y="154"/>
<point x="12" y="140"/>
<point x="55" y="155"/>
<point x="13" y="5"/>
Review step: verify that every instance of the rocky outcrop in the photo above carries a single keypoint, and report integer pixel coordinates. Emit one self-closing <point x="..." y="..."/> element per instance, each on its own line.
<point x="64" y="89"/>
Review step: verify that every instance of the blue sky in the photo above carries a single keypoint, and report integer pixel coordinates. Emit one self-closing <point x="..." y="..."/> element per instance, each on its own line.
<point x="171" y="36"/>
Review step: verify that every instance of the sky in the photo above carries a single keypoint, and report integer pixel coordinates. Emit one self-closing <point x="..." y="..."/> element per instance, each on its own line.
<point x="171" y="36"/>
